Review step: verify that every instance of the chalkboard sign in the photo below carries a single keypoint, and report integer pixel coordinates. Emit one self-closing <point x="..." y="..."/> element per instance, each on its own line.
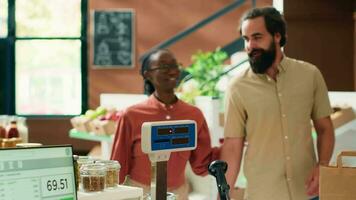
<point x="114" y="39"/>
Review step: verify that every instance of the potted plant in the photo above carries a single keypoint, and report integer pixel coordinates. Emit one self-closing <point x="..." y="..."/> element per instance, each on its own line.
<point x="200" y="88"/>
<point x="204" y="74"/>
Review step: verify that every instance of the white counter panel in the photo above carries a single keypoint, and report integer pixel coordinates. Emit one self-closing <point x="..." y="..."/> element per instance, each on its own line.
<point x="121" y="192"/>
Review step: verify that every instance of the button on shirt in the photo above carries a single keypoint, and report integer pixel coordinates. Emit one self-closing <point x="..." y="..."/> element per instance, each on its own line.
<point x="274" y="117"/>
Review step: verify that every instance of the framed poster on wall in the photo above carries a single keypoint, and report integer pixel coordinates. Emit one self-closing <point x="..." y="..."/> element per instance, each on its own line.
<point x="113" y="33"/>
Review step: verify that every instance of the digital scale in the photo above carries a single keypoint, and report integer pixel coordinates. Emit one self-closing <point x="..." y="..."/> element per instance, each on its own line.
<point x="37" y="173"/>
<point x="158" y="140"/>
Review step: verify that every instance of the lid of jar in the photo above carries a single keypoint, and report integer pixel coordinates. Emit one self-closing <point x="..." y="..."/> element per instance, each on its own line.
<point x="93" y="169"/>
<point x="84" y="161"/>
<point x="9" y="140"/>
<point x="84" y="157"/>
<point x="75" y="157"/>
<point x="110" y="164"/>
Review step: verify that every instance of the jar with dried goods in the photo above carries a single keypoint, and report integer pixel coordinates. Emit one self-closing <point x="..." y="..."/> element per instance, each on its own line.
<point x="93" y="177"/>
<point x="83" y="160"/>
<point x="3" y="124"/>
<point x="2" y="132"/>
<point x="112" y="172"/>
<point x="10" y="142"/>
<point x="76" y="171"/>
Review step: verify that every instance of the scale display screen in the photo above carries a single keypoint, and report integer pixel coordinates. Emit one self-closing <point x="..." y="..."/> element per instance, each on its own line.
<point x="164" y="131"/>
<point x="175" y="130"/>
<point x="180" y="141"/>
<point x="38" y="173"/>
<point x="179" y="135"/>
<point x="172" y="136"/>
<point x="181" y="130"/>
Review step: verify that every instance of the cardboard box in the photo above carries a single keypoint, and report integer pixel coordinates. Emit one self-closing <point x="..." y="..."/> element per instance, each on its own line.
<point x="103" y="127"/>
<point x="81" y="123"/>
<point x="342" y="116"/>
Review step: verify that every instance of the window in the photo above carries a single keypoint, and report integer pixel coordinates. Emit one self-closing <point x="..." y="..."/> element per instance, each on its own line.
<point x="43" y="18"/>
<point x="3" y="18"/>
<point x="49" y="57"/>
<point x="48" y="77"/>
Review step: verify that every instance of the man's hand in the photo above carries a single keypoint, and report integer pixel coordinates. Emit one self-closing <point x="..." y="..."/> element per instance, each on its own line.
<point x="312" y="183"/>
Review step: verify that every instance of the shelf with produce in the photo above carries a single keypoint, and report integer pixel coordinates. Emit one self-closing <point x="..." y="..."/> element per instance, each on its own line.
<point x="105" y="140"/>
<point x="90" y="136"/>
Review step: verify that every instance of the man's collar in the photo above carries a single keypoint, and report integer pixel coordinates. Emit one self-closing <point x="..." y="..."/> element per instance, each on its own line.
<point x="282" y="64"/>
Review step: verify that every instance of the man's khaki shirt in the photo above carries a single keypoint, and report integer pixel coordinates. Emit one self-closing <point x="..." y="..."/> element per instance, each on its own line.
<point x="275" y="119"/>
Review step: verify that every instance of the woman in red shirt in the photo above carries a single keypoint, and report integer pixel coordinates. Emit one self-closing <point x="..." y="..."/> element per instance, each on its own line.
<point x="160" y="71"/>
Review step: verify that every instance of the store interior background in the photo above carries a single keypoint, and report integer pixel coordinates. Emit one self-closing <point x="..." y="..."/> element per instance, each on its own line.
<point x="321" y="32"/>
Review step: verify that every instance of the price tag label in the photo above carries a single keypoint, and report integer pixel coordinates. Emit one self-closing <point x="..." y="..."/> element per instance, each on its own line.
<point x="57" y="185"/>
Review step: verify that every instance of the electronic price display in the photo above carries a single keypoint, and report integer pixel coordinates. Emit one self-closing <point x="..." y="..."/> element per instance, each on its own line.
<point x="37" y="173"/>
<point x="169" y="136"/>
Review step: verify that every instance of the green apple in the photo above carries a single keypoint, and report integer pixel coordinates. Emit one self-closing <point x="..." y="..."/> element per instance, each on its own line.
<point x="100" y="111"/>
<point x="90" y="114"/>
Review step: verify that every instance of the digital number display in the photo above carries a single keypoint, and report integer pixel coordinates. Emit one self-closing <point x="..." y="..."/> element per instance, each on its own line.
<point x="180" y="141"/>
<point x="57" y="184"/>
<point x="164" y="131"/>
<point x="60" y="184"/>
<point x="181" y="130"/>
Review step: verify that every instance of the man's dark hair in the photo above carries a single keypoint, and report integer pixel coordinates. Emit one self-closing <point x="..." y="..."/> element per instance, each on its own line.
<point x="274" y="21"/>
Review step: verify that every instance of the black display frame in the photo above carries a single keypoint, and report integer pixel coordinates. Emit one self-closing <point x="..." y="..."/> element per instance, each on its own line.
<point x="113" y="38"/>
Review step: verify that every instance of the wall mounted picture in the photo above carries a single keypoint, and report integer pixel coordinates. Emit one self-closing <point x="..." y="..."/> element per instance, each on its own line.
<point x="113" y="33"/>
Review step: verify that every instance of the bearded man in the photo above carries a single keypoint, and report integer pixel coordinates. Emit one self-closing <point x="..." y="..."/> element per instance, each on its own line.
<point x="269" y="106"/>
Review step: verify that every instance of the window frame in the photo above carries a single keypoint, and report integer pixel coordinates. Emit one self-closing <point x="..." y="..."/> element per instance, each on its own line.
<point x="8" y="89"/>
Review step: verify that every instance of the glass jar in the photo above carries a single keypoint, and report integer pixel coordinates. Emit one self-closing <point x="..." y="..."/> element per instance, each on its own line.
<point x="76" y="171"/>
<point x="2" y="131"/>
<point x="83" y="160"/>
<point x="10" y="142"/>
<point x="6" y="143"/>
<point x="22" y="128"/>
<point x="93" y="177"/>
<point x="12" y="131"/>
<point x="112" y="172"/>
<point x="3" y="125"/>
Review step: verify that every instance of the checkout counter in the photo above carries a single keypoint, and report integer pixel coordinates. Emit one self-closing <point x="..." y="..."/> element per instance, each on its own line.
<point x="46" y="172"/>
<point x="205" y="187"/>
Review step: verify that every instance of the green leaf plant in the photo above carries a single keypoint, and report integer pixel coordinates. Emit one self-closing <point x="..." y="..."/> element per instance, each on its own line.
<point x="204" y="74"/>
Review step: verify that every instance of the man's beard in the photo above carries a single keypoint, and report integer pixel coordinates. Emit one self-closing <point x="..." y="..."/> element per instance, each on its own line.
<point x="264" y="60"/>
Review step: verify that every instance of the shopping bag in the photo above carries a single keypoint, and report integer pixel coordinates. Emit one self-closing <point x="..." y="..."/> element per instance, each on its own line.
<point x="338" y="182"/>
